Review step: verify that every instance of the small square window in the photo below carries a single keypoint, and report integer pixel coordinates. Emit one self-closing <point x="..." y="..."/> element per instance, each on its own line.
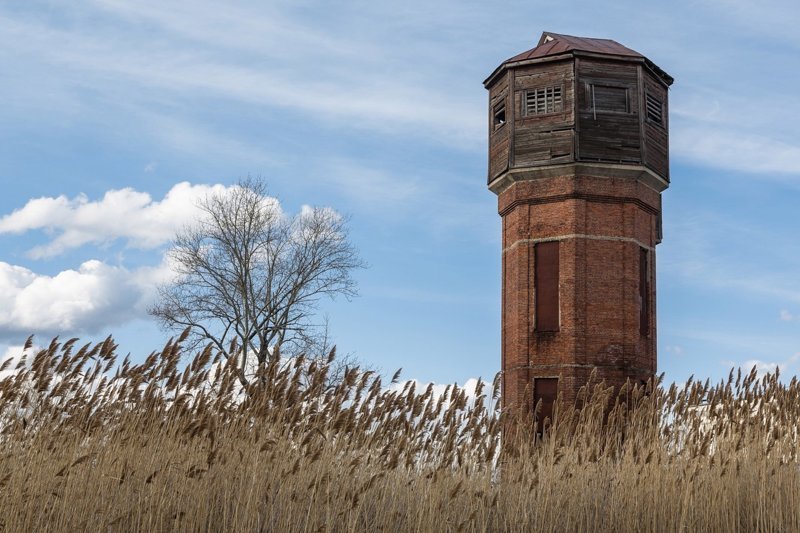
<point x="543" y="101"/>
<point x="499" y="115"/>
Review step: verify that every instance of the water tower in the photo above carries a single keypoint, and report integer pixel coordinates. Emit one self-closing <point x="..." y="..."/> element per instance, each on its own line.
<point x="578" y="158"/>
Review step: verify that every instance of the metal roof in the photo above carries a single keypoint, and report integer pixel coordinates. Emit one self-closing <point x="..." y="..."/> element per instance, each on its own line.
<point x="553" y="44"/>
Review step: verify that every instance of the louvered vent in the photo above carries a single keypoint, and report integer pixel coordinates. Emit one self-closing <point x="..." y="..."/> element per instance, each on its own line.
<point x="543" y="101"/>
<point x="654" y="109"/>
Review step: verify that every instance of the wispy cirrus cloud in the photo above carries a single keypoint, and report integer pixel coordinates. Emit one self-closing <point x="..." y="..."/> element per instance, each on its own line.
<point x="705" y="249"/>
<point x="721" y="146"/>
<point x="371" y="68"/>
<point x="191" y="58"/>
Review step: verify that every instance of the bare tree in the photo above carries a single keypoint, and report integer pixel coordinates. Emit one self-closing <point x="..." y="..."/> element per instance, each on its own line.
<point x="249" y="277"/>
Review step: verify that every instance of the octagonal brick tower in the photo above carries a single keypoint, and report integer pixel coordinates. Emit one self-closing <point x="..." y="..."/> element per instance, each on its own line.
<point x="578" y="158"/>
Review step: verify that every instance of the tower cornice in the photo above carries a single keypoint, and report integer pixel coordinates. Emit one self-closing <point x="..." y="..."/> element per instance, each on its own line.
<point x="638" y="173"/>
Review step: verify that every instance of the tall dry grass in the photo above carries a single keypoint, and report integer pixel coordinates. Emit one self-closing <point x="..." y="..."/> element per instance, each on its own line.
<point x="91" y="443"/>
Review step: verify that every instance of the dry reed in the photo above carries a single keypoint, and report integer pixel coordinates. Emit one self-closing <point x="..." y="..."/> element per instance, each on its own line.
<point x="91" y="443"/>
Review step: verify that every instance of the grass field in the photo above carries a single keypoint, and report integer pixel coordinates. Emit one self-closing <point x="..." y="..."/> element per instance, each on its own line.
<point x="92" y="443"/>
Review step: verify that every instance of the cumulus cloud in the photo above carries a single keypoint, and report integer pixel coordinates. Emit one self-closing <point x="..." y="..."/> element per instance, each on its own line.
<point x="766" y="367"/>
<point x="124" y="214"/>
<point x="85" y="300"/>
<point x="15" y="353"/>
<point x="470" y="388"/>
<point x="95" y="296"/>
<point x="787" y="316"/>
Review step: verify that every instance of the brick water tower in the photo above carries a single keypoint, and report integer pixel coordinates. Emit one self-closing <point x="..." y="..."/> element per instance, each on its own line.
<point x="578" y="158"/>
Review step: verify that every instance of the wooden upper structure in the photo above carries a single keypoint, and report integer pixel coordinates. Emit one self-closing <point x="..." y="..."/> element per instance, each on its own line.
<point x="575" y="99"/>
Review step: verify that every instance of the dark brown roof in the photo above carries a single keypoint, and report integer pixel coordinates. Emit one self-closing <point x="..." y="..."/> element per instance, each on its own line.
<point x="553" y="44"/>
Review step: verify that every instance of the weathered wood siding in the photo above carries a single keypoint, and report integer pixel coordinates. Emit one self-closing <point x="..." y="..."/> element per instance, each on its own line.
<point x="603" y="116"/>
<point x="656" y="139"/>
<point x="548" y="138"/>
<point x="499" y="138"/>
<point x="611" y="136"/>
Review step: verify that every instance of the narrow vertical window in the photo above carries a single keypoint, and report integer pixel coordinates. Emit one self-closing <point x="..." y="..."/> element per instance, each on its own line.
<point x="644" y="293"/>
<point x="546" y="286"/>
<point x="499" y="115"/>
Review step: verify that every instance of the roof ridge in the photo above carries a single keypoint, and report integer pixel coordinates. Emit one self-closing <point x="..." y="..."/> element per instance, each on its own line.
<point x="558" y="44"/>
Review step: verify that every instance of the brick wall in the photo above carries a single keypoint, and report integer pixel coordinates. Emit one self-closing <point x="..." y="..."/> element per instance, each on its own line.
<point x="601" y="224"/>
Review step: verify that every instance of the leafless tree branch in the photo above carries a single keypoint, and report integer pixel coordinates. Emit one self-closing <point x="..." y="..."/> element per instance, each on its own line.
<point x="250" y="277"/>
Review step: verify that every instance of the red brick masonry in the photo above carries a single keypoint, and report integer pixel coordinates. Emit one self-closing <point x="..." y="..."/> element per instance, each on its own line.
<point x="602" y="223"/>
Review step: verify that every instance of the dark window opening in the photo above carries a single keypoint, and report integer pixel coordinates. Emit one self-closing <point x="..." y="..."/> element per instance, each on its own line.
<point x="546" y="286"/>
<point x="499" y="115"/>
<point x="609" y="99"/>
<point x="655" y="109"/>
<point x="545" y="393"/>
<point x="543" y="101"/>
<point x="644" y="293"/>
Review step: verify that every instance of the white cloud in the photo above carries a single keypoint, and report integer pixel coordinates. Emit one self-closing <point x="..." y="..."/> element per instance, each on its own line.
<point x="15" y="353"/>
<point x="345" y="90"/>
<point x="414" y="83"/>
<point x="766" y="367"/>
<point x="470" y="388"/>
<point x="674" y="350"/>
<point x="121" y="214"/>
<point x="767" y="19"/>
<point x="704" y="250"/>
<point x="761" y="367"/>
<point x="724" y="147"/>
<point x="90" y="299"/>
<point x="786" y="316"/>
<point x="195" y="137"/>
<point x="373" y="187"/>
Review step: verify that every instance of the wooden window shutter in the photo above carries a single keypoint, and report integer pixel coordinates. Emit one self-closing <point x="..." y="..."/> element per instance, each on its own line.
<point x="644" y="293"/>
<point x="546" y="286"/>
<point x="613" y="99"/>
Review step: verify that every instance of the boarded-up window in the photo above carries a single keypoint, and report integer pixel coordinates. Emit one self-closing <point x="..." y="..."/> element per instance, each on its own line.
<point x="542" y="101"/>
<point x="546" y="286"/>
<point x="644" y="293"/>
<point x="545" y="390"/>
<point x="605" y="98"/>
<point x="655" y="109"/>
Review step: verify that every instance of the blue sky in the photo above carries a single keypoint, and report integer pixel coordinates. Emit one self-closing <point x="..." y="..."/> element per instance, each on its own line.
<point x="118" y="115"/>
